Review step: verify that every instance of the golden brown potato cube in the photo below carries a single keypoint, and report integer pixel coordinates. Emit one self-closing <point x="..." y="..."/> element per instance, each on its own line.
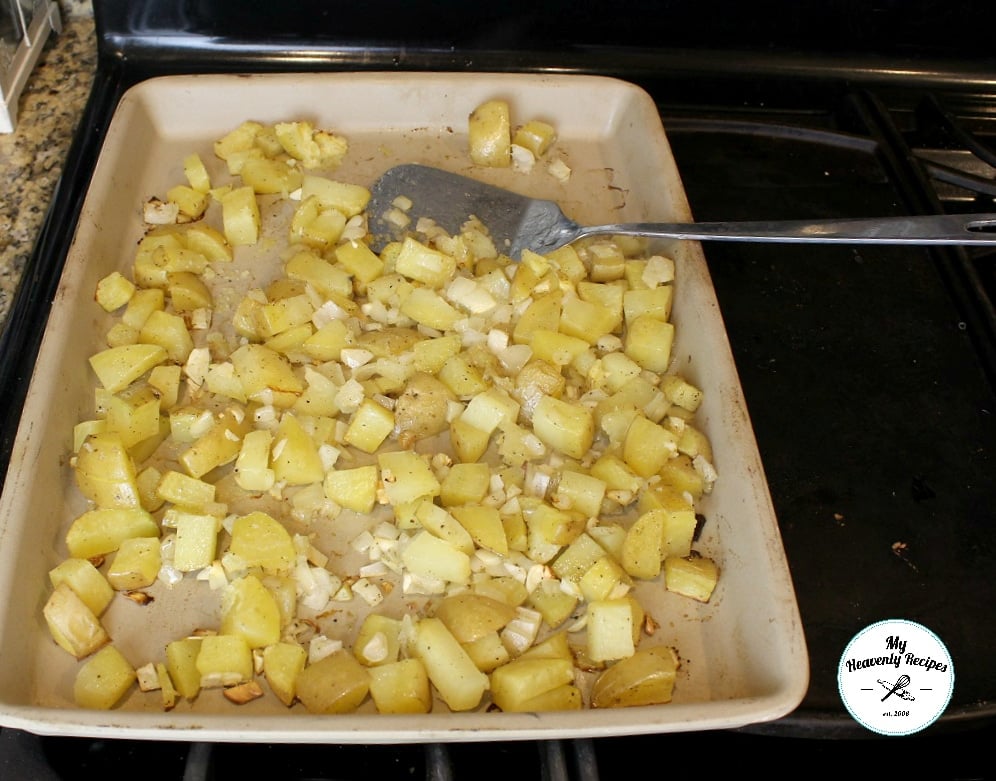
<point x="282" y="664"/>
<point x="470" y="616"/>
<point x="378" y="640"/>
<point x="103" y="680"/>
<point x="261" y="541"/>
<point x="101" y="531"/>
<point x="490" y="134"/>
<point x="450" y="668"/>
<point x="181" y="663"/>
<point x="136" y="564"/>
<point x="86" y="580"/>
<point x="114" y="291"/>
<point x="72" y="624"/>
<point x="401" y="687"/>
<point x="536" y="136"/>
<point x="240" y="216"/>
<point x="224" y="660"/>
<point x="694" y="576"/>
<point x="516" y="683"/>
<point x="249" y="609"/>
<point x="645" y="678"/>
<point x="336" y="684"/>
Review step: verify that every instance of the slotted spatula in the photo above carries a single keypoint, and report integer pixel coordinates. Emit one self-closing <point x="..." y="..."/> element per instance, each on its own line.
<point x="517" y="222"/>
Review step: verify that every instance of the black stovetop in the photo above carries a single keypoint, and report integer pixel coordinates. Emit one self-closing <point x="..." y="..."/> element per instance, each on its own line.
<point x="868" y="371"/>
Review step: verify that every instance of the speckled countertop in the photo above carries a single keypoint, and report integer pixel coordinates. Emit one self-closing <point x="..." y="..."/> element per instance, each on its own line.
<point x="32" y="157"/>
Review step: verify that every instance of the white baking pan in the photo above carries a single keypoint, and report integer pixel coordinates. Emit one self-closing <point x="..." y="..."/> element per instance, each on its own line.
<point x="743" y="654"/>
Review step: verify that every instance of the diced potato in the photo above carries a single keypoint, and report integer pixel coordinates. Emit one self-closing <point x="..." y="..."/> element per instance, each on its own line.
<point x="378" y="640"/>
<point x="86" y="580"/>
<point x="370" y="425"/>
<point x="470" y="616"/>
<point x="103" y="680"/>
<point x="642" y="549"/>
<point x="489" y="134"/>
<point x="407" y="476"/>
<point x="355" y="489"/>
<point x="648" y="342"/>
<point x="169" y="694"/>
<point x="681" y="392"/>
<point x="359" y="260"/>
<point x="295" y="459"/>
<point x="188" y="291"/>
<point x="269" y="176"/>
<point x="429" y="309"/>
<point x="105" y="473"/>
<point x="266" y="375"/>
<point x="484" y="525"/>
<point x="315" y="225"/>
<point x="566" y="697"/>
<point x="536" y="136"/>
<point x="543" y="316"/>
<point x="168" y="332"/>
<point x="240" y="216"/>
<point x="522" y="680"/>
<point x="421" y="263"/>
<point x="249" y="610"/>
<point x="196" y="173"/>
<point x="445" y="526"/>
<point x="581" y="492"/>
<point x="224" y="660"/>
<point x="401" y="687"/>
<point x="577" y="558"/>
<point x="469" y="442"/>
<point x="430" y="355"/>
<point x="336" y="684"/>
<point x="196" y="541"/>
<point x="181" y="663"/>
<point x="450" y="669"/>
<point x="601" y="579"/>
<point x="350" y="199"/>
<point x="72" y="624"/>
<point x="191" y="203"/>
<point x="610" y="629"/>
<point x="114" y="291"/>
<point x="262" y="542"/>
<point x="588" y="320"/>
<point x="136" y="564"/>
<point x="101" y="531"/>
<point x="239" y="139"/>
<point x="645" y="678"/>
<point x="220" y="445"/>
<point x="693" y="576"/>
<point x="252" y="467"/>
<point x="465" y="484"/>
<point x="563" y="426"/>
<point x="488" y="652"/>
<point x="428" y="556"/>
<point x="185" y="491"/>
<point x="282" y="664"/>
<point x="648" y="446"/>
<point x="119" y="367"/>
<point x="553" y="603"/>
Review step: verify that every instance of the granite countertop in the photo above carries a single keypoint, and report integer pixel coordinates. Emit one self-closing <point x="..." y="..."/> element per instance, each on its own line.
<point x="32" y="157"/>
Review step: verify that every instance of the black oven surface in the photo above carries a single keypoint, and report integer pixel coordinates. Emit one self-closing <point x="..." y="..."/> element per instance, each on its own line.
<point x="868" y="371"/>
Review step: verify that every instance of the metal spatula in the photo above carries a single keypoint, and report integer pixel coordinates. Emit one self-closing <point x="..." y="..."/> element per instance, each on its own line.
<point x="517" y="222"/>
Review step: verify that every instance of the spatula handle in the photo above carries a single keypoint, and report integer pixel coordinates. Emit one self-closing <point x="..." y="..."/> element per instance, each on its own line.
<point x="932" y="229"/>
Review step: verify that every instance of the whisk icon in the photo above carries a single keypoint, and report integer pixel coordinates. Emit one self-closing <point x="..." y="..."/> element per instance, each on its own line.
<point x="901" y="683"/>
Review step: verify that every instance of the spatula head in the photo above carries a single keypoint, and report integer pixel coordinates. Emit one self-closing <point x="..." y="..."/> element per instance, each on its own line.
<point x="515" y="222"/>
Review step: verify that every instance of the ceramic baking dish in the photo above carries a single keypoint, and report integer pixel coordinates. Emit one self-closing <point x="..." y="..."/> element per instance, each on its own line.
<point x="744" y="658"/>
